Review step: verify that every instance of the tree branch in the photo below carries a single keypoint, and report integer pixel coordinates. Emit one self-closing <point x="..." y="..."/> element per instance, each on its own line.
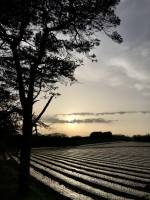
<point x="19" y="77"/>
<point x="65" y="24"/>
<point x="43" y="110"/>
<point x="5" y="36"/>
<point x="23" y="26"/>
<point x="38" y="92"/>
<point x="33" y="69"/>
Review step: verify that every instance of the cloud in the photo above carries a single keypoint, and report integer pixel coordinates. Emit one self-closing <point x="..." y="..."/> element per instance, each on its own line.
<point x="147" y="94"/>
<point x="130" y="71"/>
<point x="124" y="66"/>
<point x="141" y="87"/>
<point x="55" y="120"/>
<point x="104" y="113"/>
<point x="134" y="15"/>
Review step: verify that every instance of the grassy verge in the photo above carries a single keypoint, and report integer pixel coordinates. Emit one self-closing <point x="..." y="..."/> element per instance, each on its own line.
<point x="9" y="186"/>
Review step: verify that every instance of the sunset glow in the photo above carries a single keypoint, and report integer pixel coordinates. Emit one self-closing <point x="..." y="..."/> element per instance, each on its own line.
<point x="119" y="81"/>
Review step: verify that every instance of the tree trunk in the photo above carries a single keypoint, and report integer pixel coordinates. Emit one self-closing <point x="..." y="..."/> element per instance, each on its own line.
<point x="24" y="172"/>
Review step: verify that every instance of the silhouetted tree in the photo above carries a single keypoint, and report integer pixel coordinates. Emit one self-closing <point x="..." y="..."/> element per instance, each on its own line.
<point x="101" y="135"/>
<point x="38" y="41"/>
<point x="96" y="134"/>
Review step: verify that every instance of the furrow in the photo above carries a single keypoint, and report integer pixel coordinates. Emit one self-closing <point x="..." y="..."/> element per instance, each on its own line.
<point x="84" y="188"/>
<point x="98" y="170"/>
<point x="103" y="166"/>
<point x="146" y="173"/>
<point x="97" y="183"/>
<point x="96" y="175"/>
<point x="62" y="189"/>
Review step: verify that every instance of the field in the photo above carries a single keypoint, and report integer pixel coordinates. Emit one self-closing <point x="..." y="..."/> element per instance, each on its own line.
<point x="114" y="171"/>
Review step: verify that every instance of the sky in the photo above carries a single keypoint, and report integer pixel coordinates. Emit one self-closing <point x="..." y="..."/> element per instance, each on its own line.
<point x="112" y="94"/>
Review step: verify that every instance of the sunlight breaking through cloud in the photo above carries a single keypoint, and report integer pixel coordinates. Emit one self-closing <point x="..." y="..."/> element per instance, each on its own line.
<point x="55" y="120"/>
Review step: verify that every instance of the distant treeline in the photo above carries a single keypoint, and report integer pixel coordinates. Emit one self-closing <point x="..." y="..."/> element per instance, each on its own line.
<point x="141" y="138"/>
<point x="61" y="140"/>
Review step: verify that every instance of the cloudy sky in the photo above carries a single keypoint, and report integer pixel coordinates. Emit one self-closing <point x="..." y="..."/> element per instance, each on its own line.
<point x="113" y="93"/>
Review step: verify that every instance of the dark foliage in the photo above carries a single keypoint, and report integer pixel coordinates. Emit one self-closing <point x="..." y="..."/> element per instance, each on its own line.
<point x="142" y="138"/>
<point x="61" y="140"/>
<point x="100" y="135"/>
<point x="8" y="120"/>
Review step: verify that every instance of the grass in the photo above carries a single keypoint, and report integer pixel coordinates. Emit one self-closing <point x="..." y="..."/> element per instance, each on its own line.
<point x="9" y="185"/>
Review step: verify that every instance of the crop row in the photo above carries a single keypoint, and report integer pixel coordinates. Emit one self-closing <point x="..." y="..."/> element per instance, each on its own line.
<point x="93" y="172"/>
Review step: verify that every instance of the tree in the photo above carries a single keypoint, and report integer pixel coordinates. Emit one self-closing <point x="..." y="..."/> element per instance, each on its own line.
<point x="38" y="43"/>
<point x="98" y="135"/>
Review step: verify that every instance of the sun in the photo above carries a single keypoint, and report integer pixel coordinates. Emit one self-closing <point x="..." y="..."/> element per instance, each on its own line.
<point x="71" y="124"/>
